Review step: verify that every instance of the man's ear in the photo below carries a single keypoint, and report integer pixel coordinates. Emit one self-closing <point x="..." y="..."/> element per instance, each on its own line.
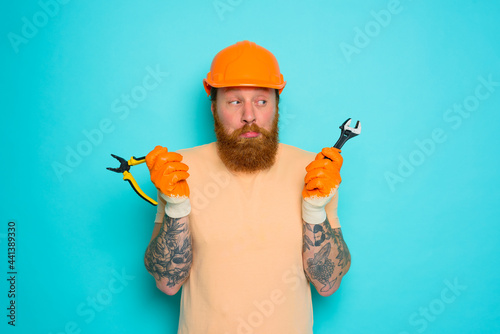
<point x="212" y="107"/>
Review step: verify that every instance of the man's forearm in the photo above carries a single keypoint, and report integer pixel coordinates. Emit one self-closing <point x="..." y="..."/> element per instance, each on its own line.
<point x="169" y="255"/>
<point x="325" y="256"/>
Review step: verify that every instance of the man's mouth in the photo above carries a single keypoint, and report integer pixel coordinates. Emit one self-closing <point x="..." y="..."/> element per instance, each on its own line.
<point x="250" y="134"/>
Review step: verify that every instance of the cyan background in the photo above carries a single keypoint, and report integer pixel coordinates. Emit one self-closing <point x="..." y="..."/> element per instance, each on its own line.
<point x="438" y="223"/>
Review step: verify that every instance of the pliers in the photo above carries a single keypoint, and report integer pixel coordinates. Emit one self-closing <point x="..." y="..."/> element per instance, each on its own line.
<point x="127" y="176"/>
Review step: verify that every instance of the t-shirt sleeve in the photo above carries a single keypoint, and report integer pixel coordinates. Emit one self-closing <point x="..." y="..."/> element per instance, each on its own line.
<point x="331" y="211"/>
<point x="160" y="208"/>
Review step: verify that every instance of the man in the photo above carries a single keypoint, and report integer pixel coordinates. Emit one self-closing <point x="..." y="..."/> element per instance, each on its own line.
<point x="256" y="221"/>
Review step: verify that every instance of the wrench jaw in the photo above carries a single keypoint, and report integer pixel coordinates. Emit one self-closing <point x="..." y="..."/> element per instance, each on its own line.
<point x="346" y="126"/>
<point x="347" y="132"/>
<point x="357" y="129"/>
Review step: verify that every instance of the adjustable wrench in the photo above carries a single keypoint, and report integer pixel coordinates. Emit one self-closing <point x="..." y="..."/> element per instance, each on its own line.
<point x="347" y="133"/>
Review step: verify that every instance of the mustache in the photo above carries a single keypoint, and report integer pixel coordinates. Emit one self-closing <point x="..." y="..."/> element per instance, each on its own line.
<point x="249" y="128"/>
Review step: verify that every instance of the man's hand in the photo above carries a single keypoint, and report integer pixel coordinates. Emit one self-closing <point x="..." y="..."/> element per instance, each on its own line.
<point x="169" y="175"/>
<point x="321" y="183"/>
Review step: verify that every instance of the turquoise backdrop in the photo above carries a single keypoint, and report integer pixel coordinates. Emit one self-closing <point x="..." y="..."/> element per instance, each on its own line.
<point x="419" y="201"/>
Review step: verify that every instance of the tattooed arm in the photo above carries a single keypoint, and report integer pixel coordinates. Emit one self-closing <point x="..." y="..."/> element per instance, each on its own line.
<point x="169" y="254"/>
<point x="325" y="256"/>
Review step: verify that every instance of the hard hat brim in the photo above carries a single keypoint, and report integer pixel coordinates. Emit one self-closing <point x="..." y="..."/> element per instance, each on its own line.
<point x="208" y="85"/>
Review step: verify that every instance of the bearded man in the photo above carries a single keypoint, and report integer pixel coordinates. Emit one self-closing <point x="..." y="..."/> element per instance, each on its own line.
<point x="254" y="222"/>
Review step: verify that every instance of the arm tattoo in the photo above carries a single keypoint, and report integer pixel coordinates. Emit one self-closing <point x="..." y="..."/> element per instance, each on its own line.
<point x="317" y="251"/>
<point x="169" y="254"/>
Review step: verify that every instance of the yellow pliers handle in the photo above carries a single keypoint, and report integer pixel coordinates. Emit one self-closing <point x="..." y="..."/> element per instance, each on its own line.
<point x="136" y="161"/>
<point x="128" y="177"/>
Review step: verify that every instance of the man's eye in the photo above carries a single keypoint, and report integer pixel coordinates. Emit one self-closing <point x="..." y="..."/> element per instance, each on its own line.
<point x="262" y="102"/>
<point x="234" y="102"/>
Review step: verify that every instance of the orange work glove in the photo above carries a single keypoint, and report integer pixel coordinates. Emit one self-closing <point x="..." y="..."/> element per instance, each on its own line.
<point x="321" y="183"/>
<point x="169" y="175"/>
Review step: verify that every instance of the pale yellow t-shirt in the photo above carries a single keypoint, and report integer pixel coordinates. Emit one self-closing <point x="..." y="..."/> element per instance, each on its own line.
<point x="247" y="274"/>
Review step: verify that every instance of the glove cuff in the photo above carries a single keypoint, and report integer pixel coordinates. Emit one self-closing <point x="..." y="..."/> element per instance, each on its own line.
<point x="313" y="214"/>
<point x="176" y="207"/>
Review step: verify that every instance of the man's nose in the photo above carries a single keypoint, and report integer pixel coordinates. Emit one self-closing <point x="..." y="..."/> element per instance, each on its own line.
<point x="248" y="113"/>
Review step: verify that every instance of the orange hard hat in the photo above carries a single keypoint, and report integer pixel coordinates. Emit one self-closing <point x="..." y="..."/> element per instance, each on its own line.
<point x="244" y="64"/>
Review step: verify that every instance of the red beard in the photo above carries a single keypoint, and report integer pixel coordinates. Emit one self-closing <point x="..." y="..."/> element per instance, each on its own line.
<point x="247" y="154"/>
